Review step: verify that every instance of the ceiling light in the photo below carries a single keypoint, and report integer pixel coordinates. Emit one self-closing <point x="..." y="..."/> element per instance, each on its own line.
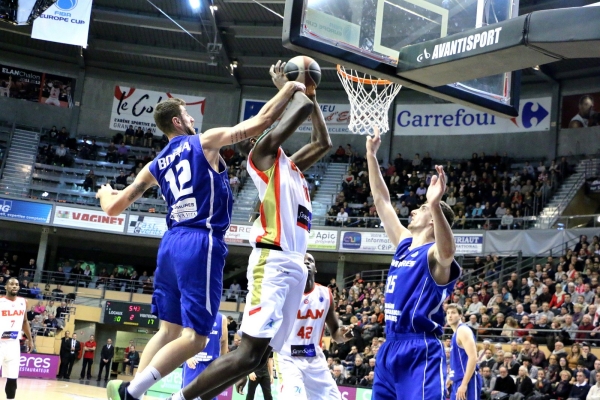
<point x="537" y="67"/>
<point x="214" y="8"/>
<point x="195" y="4"/>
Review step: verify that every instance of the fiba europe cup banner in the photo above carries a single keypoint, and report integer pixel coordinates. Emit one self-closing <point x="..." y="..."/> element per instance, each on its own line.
<point x="337" y="116"/>
<point x="454" y="119"/>
<point x="378" y="242"/>
<point x="135" y="107"/>
<point x="66" y="21"/>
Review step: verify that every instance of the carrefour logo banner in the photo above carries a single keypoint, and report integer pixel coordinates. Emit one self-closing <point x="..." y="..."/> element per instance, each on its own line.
<point x="66" y="21"/>
<point x="454" y="119"/>
<point x="26" y="211"/>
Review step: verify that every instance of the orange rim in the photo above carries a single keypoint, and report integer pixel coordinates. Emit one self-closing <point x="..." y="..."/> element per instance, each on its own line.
<point x="362" y="80"/>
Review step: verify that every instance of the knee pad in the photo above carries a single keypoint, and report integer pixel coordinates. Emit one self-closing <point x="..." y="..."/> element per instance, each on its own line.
<point x="10" y="388"/>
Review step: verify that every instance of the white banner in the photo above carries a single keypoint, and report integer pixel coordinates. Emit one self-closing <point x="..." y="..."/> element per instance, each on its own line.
<point x="135" y="107"/>
<point x="337" y="116"/>
<point x="66" y="21"/>
<point x="454" y="119"/>
<point x="237" y="234"/>
<point x="322" y="240"/>
<point x="378" y="242"/>
<point x="147" y="226"/>
<point x="88" y="219"/>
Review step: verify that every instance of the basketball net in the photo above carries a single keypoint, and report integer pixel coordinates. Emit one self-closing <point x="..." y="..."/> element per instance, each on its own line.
<point x="370" y="100"/>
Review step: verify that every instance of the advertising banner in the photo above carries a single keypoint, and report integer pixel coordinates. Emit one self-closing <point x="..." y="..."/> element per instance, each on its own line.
<point x="337" y="116"/>
<point x="237" y="234"/>
<point x="363" y="394"/>
<point x="35" y="86"/>
<point x="25" y="210"/>
<point x="66" y="21"/>
<point x="454" y="119"/>
<point x="132" y="106"/>
<point x="579" y="111"/>
<point x="44" y="366"/>
<point x="378" y="242"/>
<point x="322" y="240"/>
<point x="146" y="226"/>
<point x="88" y="219"/>
<point x="468" y="244"/>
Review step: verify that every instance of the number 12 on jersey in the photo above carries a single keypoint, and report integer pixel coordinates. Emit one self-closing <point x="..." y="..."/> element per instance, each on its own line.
<point x="390" y="284"/>
<point x="184" y="176"/>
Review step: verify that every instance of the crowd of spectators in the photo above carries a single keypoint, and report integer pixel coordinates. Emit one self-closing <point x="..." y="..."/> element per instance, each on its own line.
<point x="483" y="191"/>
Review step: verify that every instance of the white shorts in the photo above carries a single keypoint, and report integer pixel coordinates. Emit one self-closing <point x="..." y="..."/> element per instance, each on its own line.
<point x="276" y="281"/>
<point x="10" y="356"/>
<point x="305" y="378"/>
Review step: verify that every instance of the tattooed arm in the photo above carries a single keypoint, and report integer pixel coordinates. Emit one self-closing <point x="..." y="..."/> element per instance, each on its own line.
<point x="214" y="139"/>
<point x="114" y="202"/>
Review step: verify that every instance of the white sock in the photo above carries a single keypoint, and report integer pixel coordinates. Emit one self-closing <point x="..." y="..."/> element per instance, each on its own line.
<point x="178" y="396"/>
<point x="143" y="381"/>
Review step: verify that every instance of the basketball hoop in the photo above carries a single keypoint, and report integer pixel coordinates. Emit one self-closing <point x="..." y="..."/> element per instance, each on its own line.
<point x="370" y="100"/>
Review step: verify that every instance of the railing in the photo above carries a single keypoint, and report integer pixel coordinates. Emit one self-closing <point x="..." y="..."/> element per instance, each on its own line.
<point x="102" y="285"/>
<point x="540" y="336"/>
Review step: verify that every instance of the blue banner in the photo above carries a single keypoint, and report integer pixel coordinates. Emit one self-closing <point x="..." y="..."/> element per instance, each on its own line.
<point x="25" y="210"/>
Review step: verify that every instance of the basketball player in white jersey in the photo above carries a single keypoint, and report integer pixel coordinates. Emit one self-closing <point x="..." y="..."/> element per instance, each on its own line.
<point x="12" y="320"/>
<point x="301" y="365"/>
<point x="5" y="87"/>
<point x="279" y="237"/>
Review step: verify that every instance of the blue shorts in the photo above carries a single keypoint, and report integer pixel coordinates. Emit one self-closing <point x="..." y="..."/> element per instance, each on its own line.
<point x="189" y="278"/>
<point x="410" y="367"/>
<point x="190" y="374"/>
<point x="473" y="389"/>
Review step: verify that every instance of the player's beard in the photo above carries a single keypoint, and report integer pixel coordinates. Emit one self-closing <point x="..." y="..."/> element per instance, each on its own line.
<point x="189" y="130"/>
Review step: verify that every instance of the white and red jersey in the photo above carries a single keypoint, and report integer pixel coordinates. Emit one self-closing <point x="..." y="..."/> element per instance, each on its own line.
<point x="305" y="339"/>
<point x="12" y="314"/>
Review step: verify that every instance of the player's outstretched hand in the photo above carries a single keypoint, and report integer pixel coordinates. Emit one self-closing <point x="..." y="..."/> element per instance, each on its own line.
<point x="295" y="86"/>
<point x="437" y="187"/>
<point x="106" y="189"/>
<point x="277" y="75"/>
<point x="373" y="142"/>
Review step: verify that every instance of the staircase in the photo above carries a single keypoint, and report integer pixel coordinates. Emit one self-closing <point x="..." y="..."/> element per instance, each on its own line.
<point x="19" y="163"/>
<point x="244" y="203"/>
<point x="561" y="199"/>
<point x="325" y="195"/>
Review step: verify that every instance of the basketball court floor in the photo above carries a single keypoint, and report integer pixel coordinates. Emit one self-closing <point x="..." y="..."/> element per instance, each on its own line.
<point x="39" y="389"/>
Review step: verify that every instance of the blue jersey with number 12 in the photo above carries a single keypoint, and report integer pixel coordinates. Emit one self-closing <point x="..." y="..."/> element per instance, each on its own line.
<point x="413" y="300"/>
<point x="196" y="194"/>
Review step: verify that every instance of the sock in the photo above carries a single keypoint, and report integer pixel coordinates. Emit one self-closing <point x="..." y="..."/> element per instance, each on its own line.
<point x="178" y="396"/>
<point x="143" y="381"/>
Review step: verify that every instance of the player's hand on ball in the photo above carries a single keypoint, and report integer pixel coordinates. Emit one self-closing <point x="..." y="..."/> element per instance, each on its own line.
<point x="277" y="75"/>
<point x="295" y="86"/>
<point x="437" y="187"/>
<point x="373" y="142"/>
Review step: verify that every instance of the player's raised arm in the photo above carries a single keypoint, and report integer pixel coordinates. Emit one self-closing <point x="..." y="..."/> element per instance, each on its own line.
<point x="381" y="195"/>
<point x="265" y="149"/>
<point x="214" y="139"/>
<point x="444" y="248"/>
<point x="320" y="142"/>
<point x="114" y="202"/>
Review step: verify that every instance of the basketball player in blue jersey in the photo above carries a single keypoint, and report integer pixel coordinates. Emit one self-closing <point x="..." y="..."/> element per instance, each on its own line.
<point x="216" y="346"/>
<point x="411" y="364"/>
<point x="188" y="279"/>
<point x="464" y="375"/>
<point x="276" y="271"/>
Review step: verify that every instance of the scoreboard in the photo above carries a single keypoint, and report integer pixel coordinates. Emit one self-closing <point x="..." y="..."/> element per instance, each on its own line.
<point x="131" y="314"/>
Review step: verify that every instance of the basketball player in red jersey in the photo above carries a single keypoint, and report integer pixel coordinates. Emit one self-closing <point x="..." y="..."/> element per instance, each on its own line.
<point x="12" y="321"/>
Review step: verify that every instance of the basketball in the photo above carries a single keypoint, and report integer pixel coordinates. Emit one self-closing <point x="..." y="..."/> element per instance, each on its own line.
<point x="304" y="70"/>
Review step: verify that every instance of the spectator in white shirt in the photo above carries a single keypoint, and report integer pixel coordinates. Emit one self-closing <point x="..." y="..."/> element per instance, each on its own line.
<point x="500" y="211"/>
<point x="474" y="307"/>
<point x="594" y="393"/>
<point x="507" y="219"/>
<point x="342" y="217"/>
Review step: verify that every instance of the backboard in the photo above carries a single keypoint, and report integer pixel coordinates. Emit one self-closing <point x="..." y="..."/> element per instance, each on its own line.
<point x="369" y="35"/>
